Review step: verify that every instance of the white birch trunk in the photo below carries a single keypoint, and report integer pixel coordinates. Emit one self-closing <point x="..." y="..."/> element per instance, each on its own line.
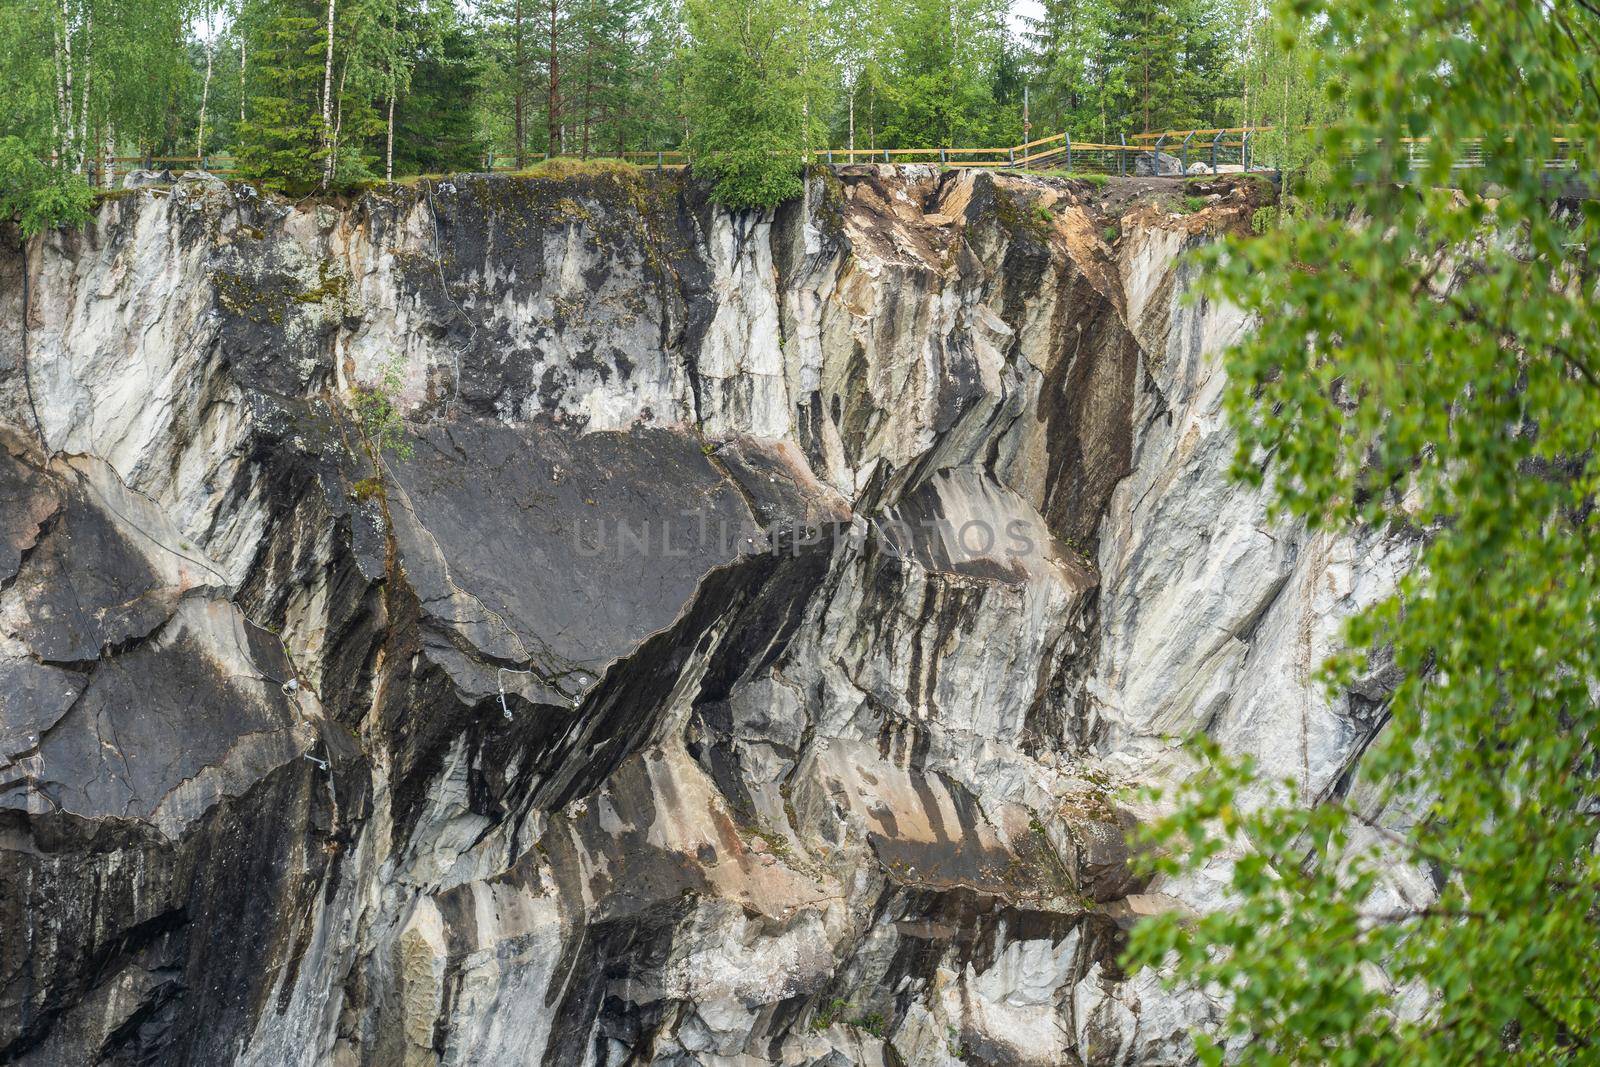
<point x="205" y="90"/>
<point x="327" y="102"/>
<point x="388" y="147"/>
<point x="81" y="138"/>
<point x="338" y="123"/>
<point x="58" y="117"/>
<point x="68" y="102"/>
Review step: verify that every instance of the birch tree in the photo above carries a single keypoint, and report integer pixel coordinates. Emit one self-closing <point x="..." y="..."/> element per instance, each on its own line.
<point x="1425" y="361"/>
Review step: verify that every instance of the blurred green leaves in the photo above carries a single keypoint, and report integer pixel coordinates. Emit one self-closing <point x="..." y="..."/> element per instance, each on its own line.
<point x="1426" y="360"/>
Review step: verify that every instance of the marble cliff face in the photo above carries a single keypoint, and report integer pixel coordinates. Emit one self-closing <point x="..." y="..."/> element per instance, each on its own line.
<point x="508" y="621"/>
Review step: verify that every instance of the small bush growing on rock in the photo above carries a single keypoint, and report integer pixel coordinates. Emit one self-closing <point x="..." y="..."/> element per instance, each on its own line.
<point x="381" y="424"/>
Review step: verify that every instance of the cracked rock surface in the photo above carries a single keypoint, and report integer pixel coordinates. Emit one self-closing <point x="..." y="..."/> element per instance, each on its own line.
<point x="505" y="621"/>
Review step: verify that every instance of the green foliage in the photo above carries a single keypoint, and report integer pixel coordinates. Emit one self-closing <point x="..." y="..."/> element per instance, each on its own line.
<point x="281" y="141"/>
<point x="754" y="92"/>
<point x="1289" y="88"/>
<point x="1428" y="361"/>
<point x="39" y="196"/>
<point x="78" y="78"/>
<point x="942" y="76"/>
<point x="435" y="128"/>
<point x="1109" y="67"/>
<point x="382" y="427"/>
<point x="829" y="1013"/>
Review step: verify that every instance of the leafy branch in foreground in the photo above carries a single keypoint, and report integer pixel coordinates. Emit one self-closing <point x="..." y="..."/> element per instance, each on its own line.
<point x="1426" y="358"/>
<point x="38" y="195"/>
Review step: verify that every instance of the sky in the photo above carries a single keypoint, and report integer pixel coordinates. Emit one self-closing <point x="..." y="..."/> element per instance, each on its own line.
<point x="1021" y="9"/>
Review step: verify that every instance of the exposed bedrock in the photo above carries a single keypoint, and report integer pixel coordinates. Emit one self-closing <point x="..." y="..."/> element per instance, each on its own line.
<point x="502" y="621"/>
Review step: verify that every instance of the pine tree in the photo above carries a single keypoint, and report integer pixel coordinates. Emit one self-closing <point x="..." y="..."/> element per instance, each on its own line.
<point x="1143" y="43"/>
<point x="282" y="139"/>
<point x="434" y="129"/>
<point x="1064" y="41"/>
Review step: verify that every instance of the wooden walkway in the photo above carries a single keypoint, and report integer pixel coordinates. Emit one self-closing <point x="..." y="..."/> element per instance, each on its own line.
<point x="1202" y="151"/>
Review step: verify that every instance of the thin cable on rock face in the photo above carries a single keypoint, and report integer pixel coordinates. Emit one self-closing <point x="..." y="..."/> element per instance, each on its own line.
<point x="438" y="264"/>
<point x="27" y="373"/>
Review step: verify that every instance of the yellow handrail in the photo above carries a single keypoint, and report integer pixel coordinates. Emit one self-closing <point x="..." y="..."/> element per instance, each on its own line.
<point x="1060" y="146"/>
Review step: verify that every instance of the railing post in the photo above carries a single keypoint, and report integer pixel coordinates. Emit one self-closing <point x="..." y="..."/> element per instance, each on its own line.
<point x="1214" y="141"/>
<point x="1183" y="153"/>
<point x="659" y="159"/>
<point x="944" y="157"/>
<point x="1244" y="150"/>
<point x="1011" y="157"/>
<point x="886" y="155"/>
<point x="1155" y="156"/>
<point x="1068" y="136"/>
<point x="1122" y="156"/>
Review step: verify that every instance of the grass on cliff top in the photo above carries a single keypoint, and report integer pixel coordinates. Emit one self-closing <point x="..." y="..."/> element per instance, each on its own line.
<point x="572" y="167"/>
<point x="1099" y="181"/>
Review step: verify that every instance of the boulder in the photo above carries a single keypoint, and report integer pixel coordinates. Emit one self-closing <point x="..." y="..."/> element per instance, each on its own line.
<point x="1156" y="164"/>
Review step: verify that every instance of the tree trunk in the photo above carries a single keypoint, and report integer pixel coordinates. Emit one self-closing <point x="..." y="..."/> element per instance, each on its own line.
<point x="338" y="120"/>
<point x="388" y="145"/>
<point x="81" y="138"/>
<point x="388" y="136"/>
<point x="327" y="101"/>
<point x="520" y="83"/>
<point x="588" y="86"/>
<point x="620" y="117"/>
<point x="205" y="87"/>
<point x="243" y="44"/>
<point x="68" y="127"/>
<point x="1249" y="57"/>
<point x="1283" y="130"/>
<point x="58" y="120"/>
<point x="852" y="158"/>
<point x="553" y="97"/>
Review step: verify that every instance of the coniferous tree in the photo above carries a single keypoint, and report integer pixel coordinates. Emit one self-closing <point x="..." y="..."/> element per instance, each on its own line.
<point x="753" y="103"/>
<point x="939" y="81"/>
<point x="282" y="139"/>
<point x="1143" y="45"/>
<point x="435" y="131"/>
<point x="1063" y="42"/>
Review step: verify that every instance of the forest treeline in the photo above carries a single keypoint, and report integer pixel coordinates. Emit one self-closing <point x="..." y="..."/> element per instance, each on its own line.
<point x="308" y="93"/>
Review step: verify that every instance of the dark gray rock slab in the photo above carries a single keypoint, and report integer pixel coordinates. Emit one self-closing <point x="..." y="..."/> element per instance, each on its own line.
<point x="541" y="549"/>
